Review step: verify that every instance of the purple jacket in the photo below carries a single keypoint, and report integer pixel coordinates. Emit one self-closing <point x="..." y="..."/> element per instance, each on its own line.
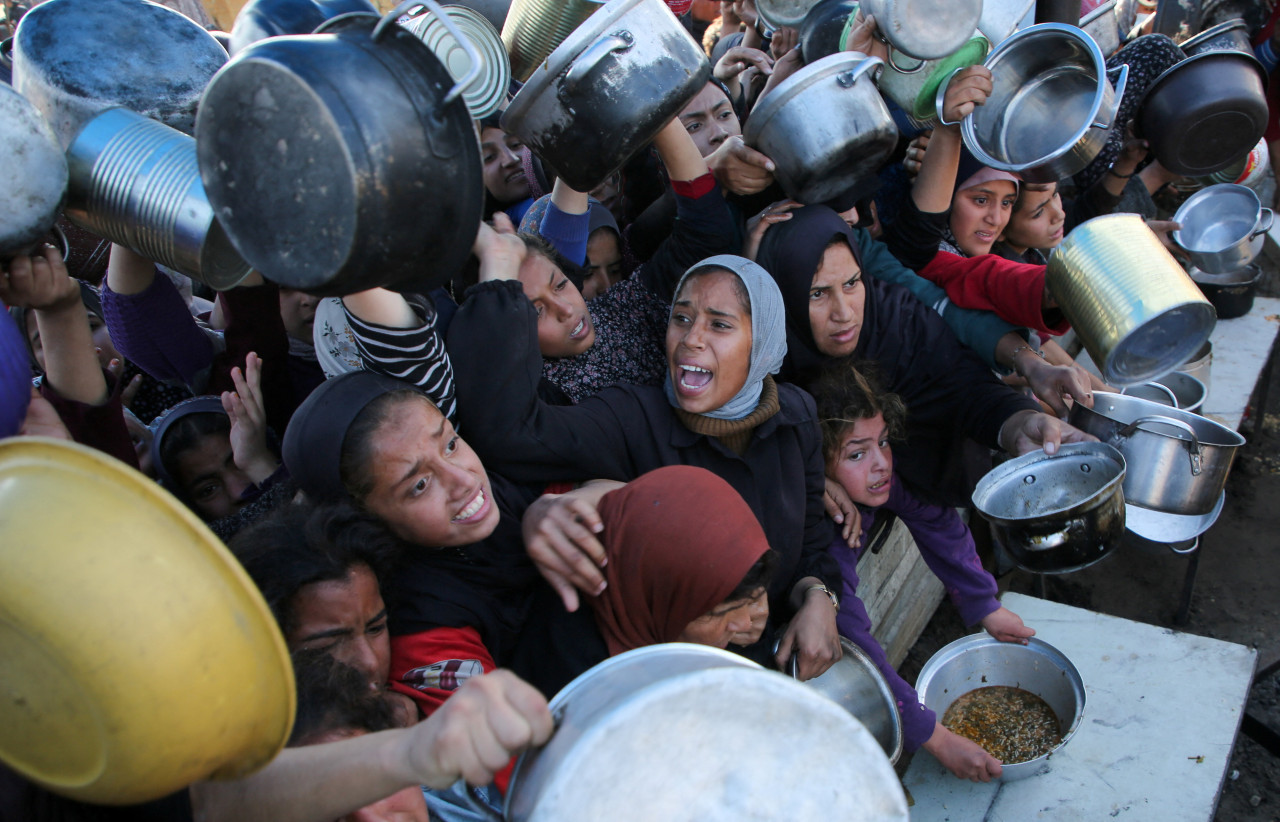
<point x="947" y="548"/>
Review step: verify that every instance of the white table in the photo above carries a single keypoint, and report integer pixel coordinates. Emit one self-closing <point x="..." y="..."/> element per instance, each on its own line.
<point x="1162" y="709"/>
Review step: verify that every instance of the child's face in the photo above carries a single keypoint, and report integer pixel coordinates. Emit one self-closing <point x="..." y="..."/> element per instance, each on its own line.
<point x="863" y="463"/>
<point x="1040" y="221"/>
<point x="980" y="213"/>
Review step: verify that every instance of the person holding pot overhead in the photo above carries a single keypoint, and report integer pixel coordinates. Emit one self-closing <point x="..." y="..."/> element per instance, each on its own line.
<point x="836" y="311"/>
<point x="720" y="410"/>
<point x="661" y="585"/>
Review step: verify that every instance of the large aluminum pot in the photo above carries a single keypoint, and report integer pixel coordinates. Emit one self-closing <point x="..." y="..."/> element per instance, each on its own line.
<point x="607" y="90"/>
<point x="136" y="182"/>
<point x="1204" y="113"/>
<point x="980" y="660"/>
<point x="856" y="684"/>
<point x="925" y="29"/>
<point x="535" y="28"/>
<point x="34" y="177"/>
<point x="1056" y="514"/>
<point x="138" y="655"/>
<point x="1133" y="306"/>
<point x="826" y="128"/>
<point x="1180" y="461"/>
<point x="681" y="731"/>
<point x="75" y="58"/>
<point x="1051" y="108"/>
<point x="1223" y="227"/>
<point x="343" y="160"/>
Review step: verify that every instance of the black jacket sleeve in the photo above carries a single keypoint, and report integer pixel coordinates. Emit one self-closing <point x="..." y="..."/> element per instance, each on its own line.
<point x="703" y="228"/>
<point x="913" y="235"/>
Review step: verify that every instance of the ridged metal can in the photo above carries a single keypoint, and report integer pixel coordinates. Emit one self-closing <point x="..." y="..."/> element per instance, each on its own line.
<point x="1135" y="309"/>
<point x="136" y="182"/>
<point x="535" y="27"/>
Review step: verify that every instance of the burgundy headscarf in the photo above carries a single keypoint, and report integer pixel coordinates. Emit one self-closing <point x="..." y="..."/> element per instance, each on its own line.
<point x="679" y="539"/>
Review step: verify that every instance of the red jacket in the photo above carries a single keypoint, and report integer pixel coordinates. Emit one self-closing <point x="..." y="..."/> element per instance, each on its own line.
<point x="1013" y="291"/>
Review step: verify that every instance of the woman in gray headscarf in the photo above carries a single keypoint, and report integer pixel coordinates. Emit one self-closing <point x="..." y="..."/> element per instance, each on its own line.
<point x="719" y="410"/>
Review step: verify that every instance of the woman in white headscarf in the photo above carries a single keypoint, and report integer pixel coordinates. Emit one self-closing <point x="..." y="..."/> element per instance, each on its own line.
<point x="720" y="410"/>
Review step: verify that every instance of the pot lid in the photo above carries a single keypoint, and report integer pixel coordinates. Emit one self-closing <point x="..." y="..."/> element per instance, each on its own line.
<point x="1038" y="484"/>
<point x="1160" y="526"/>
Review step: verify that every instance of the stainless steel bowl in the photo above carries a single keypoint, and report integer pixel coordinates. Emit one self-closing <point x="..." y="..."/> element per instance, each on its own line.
<point x="1051" y="108"/>
<point x="1223" y="227"/>
<point x="980" y="660"/>
<point x="856" y="684"/>
<point x="1177" y="390"/>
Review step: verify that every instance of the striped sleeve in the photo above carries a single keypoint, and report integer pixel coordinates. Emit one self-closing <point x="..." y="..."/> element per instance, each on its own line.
<point x="416" y="355"/>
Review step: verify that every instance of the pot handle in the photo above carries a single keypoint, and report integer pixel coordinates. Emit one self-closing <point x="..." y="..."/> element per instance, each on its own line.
<point x="1193" y="449"/>
<point x="594" y="53"/>
<point x="1268" y="217"/>
<point x="468" y="47"/>
<point x="940" y="98"/>
<point x="848" y="78"/>
<point x="1195" y="543"/>
<point x="1173" y="398"/>
<point x="1120" y="86"/>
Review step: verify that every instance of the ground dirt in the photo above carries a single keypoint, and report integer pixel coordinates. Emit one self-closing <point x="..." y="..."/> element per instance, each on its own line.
<point x="1236" y="598"/>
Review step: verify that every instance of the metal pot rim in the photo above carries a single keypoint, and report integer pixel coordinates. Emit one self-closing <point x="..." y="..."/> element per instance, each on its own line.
<point x="1182" y="65"/>
<point x="1014" y="40"/>
<point x="805" y="77"/>
<point x="1003" y="474"/>
<point x="1136" y="407"/>
<point x="1214" y="32"/>
<point x="1167" y="527"/>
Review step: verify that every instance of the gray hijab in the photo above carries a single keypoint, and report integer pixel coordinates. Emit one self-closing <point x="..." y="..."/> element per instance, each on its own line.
<point x="768" y="332"/>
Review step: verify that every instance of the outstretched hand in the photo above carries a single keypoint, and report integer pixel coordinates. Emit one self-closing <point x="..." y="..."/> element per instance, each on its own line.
<point x="249" y="421"/>
<point x="560" y="536"/>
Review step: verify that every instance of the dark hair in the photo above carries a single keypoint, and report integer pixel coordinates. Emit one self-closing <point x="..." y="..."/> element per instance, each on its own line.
<point x="186" y="434"/>
<point x="357" y="444"/>
<point x="846" y="393"/>
<point x="1030" y="188"/>
<point x="301" y="544"/>
<point x="333" y="696"/>
<point x="739" y="287"/>
<point x="758" y="576"/>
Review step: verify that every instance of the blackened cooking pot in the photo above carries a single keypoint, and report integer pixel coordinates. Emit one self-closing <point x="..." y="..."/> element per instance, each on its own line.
<point x="260" y="19"/>
<point x="1205" y="113"/>
<point x="1059" y="513"/>
<point x="343" y="160"/>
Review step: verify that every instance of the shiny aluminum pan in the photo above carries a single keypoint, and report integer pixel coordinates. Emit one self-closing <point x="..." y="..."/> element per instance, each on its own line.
<point x="136" y="182"/>
<point x="779" y="13"/>
<point x="485" y="93"/>
<point x="980" y="660"/>
<point x="925" y="29"/>
<point x="1135" y="309"/>
<point x="856" y="684"/>
<point x="679" y="731"/>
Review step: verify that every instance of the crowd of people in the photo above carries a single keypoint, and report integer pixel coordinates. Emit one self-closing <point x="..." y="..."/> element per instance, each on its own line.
<point x="670" y="409"/>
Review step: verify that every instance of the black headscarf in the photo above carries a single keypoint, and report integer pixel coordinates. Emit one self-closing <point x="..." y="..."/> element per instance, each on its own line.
<point x="486" y="585"/>
<point x="791" y="251"/>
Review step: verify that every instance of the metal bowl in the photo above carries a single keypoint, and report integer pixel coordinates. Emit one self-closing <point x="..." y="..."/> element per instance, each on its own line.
<point x="1169" y="529"/>
<point x="980" y="660"/>
<point x="1177" y="390"/>
<point x="1223" y="227"/>
<point x="856" y="684"/>
<point x="1056" y="514"/>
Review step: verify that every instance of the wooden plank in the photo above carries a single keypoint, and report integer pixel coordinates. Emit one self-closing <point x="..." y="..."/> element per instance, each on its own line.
<point x="899" y="591"/>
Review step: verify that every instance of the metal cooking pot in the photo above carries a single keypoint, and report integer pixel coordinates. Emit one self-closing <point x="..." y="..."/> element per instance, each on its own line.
<point x="1051" y="108"/>
<point x="1173" y="530"/>
<point x="1223" y="227"/>
<point x="260" y="19"/>
<point x="135" y="182"/>
<point x="75" y="58"/>
<point x="856" y="684"/>
<point x="34" y="177"/>
<point x="980" y="660"/>
<point x="1204" y="113"/>
<point x="918" y="85"/>
<point x="1231" y="293"/>
<point x="1059" y="513"/>
<point x="689" y="732"/>
<point x="1180" y="460"/>
<point x="1233" y="35"/>
<point x="925" y="29"/>
<point x="1176" y="390"/>
<point x="779" y="13"/>
<point x="138" y="655"/>
<point x="824" y="28"/>
<point x="826" y="128"/>
<point x="607" y="90"/>
<point x="1001" y="18"/>
<point x="343" y="160"/>
<point x="1102" y="26"/>
<point x="1133" y="306"/>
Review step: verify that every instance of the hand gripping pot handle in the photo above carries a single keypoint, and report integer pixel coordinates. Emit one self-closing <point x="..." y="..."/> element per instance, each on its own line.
<point x="1120" y="86"/>
<point x="593" y="54"/>
<point x="468" y="48"/>
<point x="1193" y="449"/>
<point x="1264" y="223"/>
<point x="940" y="99"/>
